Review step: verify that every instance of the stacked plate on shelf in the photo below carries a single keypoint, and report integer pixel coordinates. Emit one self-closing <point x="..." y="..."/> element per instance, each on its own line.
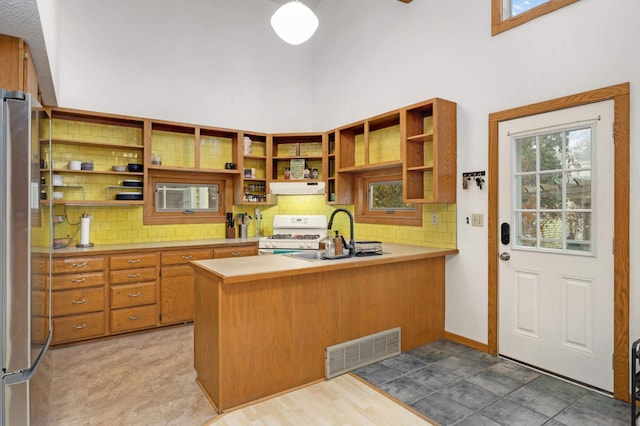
<point x="130" y="196"/>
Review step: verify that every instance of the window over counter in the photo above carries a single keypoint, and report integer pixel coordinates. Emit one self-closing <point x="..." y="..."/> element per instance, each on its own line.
<point x="183" y="197"/>
<point x="507" y="14"/>
<point x="176" y="197"/>
<point x="379" y="199"/>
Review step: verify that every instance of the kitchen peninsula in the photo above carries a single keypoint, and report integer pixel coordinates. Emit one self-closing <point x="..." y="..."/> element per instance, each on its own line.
<point x="262" y="322"/>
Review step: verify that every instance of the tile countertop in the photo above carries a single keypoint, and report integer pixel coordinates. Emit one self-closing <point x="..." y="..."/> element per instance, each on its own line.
<point x="108" y="248"/>
<point x="241" y="269"/>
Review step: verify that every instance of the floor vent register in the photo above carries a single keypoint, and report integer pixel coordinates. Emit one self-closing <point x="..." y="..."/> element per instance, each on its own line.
<point x="348" y="356"/>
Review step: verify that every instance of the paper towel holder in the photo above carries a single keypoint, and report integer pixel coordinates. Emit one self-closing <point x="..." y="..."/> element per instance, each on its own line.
<point x="84" y="231"/>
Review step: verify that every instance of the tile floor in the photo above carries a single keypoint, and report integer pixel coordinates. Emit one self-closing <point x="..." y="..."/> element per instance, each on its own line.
<point x="455" y="385"/>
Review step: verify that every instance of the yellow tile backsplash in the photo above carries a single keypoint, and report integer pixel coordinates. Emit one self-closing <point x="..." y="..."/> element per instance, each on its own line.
<point x="124" y="224"/>
<point x="175" y="149"/>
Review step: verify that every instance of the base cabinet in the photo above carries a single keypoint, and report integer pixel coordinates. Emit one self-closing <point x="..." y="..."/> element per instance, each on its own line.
<point x="134" y="291"/>
<point x="177" y="282"/>
<point x="120" y="291"/>
<point x="78" y="298"/>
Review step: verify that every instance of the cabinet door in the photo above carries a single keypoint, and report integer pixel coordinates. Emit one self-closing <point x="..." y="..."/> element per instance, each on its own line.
<point x="177" y="294"/>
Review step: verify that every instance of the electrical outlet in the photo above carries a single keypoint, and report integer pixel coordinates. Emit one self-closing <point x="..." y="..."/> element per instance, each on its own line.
<point x="477" y="219"/>
<point x="434" y="219"/>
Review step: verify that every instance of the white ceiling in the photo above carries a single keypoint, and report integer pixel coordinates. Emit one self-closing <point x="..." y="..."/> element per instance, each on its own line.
<point x="20" y="18"/>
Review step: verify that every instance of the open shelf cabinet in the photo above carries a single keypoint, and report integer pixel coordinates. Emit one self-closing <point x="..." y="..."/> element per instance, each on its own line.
<point x="307" y="152"/>
<point x="251" y="185"/>
<point x="429" y="152"/>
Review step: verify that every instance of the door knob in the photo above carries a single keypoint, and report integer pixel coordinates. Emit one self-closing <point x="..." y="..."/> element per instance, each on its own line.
<point x="505" y="256"/>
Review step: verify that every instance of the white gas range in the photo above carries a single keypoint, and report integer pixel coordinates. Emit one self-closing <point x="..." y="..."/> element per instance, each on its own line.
<point x="294" y="233"/>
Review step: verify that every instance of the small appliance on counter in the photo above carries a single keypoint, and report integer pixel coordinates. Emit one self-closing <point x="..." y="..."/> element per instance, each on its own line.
<point x="294" y="233"/>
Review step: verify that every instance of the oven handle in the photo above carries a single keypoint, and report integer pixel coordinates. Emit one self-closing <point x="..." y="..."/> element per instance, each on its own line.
<point x="277" y="251"/>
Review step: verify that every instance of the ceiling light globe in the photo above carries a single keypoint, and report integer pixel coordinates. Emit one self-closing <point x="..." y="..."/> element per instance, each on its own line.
<point x="294" y="22"/>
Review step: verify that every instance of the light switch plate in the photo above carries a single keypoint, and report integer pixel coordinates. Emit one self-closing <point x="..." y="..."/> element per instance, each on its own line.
<point x="477" y="219"/>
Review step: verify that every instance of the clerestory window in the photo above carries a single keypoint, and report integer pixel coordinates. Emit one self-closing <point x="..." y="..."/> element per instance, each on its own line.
<point x="507" y="14"/>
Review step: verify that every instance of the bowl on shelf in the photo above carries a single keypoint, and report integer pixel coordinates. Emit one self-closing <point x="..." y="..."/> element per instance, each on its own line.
<point x="86" y="166"/>
<point x="119" y="168"/>
<point x="75" y="165"/>
<point x="135" y="167"/>
<point x="58" y="195"/>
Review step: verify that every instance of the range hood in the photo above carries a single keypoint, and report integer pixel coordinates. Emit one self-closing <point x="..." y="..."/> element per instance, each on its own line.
<point x="297" y="188"/>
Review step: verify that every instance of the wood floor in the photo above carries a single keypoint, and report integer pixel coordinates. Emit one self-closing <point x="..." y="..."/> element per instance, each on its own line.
<point x="148" y="379"/>
<point x="343" y="400"/>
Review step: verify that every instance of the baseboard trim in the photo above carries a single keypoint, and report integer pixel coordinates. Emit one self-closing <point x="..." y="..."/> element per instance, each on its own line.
<point x="467" y="342"/>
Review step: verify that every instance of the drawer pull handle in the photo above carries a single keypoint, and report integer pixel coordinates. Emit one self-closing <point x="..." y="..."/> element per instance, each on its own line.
<point x="79" y="302"/>
<point x="78" y="280"/>
<point x="134" y="317"/>
<point x="235" y="253"/>
<point x="134" y="275"/>
<point x="185" y="257"/>
<point x="79" y="265"/>
<point x="134" y="294"/>
<point x="78" y="327"/>
<point x="134" y="260"/>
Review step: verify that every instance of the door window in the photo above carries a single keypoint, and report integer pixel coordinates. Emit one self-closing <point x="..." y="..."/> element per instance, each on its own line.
<point x="553" y="189"/>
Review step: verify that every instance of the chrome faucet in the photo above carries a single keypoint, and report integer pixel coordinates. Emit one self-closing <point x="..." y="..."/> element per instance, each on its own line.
<point x="352" y="244"/>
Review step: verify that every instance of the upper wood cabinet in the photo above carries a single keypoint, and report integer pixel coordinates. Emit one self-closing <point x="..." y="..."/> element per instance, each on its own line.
<point x="420" y="138"/>
<point x="429" y="155"/>
<point x="102" y="141"/>
<point x="17" y="71"/>
<point x="251" y="187"/>
<point x="177" y="146"/>
<point x="293" y="153"/>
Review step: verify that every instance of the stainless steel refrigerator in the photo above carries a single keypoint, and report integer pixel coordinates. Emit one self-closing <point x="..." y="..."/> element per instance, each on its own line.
<point x="24" y="309"/>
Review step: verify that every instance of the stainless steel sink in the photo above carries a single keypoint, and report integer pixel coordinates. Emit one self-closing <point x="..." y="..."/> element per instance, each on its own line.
<point x="315" y="255"/>
<point x="307" y="255"/>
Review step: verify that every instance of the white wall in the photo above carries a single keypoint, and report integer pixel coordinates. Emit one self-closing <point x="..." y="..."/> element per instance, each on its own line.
<point x="377" y="55"/>
<point x="215" y="62"/>
<point x="218" y="62"/>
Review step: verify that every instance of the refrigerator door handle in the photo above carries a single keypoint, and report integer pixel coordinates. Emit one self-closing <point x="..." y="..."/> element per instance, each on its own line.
<point x="26" y="374"/>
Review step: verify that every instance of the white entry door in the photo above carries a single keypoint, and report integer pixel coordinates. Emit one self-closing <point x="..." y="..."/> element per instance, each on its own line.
<point x="555" y="277"/>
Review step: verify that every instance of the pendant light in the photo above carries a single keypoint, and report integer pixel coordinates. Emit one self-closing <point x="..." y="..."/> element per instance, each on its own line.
<point x="294" y="22"/>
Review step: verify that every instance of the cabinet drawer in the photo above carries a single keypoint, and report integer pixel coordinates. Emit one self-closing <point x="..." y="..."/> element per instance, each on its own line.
<point x="78" y="327"/>
<point x="71" y="302"/>
<point x="184" y="256"/>
<point x="71" y="281"/>
<point x="237" y="251"/>
<point x="40" y="265"/>
<point x="78" y="264"/>
<point x="39" y="281"/>
<point x="125" y="296"/>
<point x="134" y="318"/>
<point x="133" y="260"/>
<point x="128" y="276"/>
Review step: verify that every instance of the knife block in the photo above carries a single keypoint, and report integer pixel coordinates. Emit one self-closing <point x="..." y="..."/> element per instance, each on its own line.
<point x="231" y="232"/>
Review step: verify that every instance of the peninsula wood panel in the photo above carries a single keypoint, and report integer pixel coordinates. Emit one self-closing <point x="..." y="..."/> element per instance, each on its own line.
<point x="261" y="337"/>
